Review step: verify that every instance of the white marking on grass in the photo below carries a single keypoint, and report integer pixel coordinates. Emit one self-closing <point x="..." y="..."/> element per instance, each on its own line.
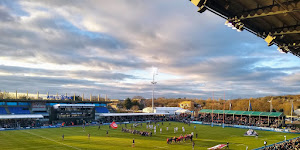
<point x="207" y="140"/>
<point x="52" y="140"/>
<point x="165" y="147"/>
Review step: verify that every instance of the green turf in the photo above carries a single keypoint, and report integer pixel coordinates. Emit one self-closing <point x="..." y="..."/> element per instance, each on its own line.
<point x="76" y="138"/>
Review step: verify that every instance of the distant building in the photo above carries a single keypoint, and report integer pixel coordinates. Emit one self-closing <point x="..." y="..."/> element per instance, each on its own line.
<point x="187" y="105"/>
<point x="168" y="110"/>
<point x="114" y="104"/>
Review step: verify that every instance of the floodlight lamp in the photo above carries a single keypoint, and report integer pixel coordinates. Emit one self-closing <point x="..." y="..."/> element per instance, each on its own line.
<point x="154" y="70"/>
<point x="226" y="22"/>
<point x="240" y="28"/>
<point x="283" y="49"/>
<point x="229" y="24"/>
<point x="270" y="40"/>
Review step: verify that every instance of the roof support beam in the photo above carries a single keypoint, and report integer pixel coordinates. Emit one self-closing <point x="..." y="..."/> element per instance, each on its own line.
<point x="287" y="6"/>
<point x="284" y="30"/>
<point x="262" y="13"/>
<point x="278" y="8"/>
<point x="287" y="32"/>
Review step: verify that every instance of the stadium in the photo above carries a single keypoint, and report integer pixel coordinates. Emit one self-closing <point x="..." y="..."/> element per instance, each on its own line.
<point x="68" y="124"/>
<point x="80" y="53"/>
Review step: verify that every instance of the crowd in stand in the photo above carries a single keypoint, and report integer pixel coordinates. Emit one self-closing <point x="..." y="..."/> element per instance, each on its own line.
<point x="241" y="120"/>
<point x="18" y="123"/>
<point x="290" y="144"/>
<point x="142" y="133"/>
<point x="107" y="119"/>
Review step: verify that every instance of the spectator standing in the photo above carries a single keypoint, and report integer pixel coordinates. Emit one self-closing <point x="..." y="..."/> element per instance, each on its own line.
<point x="265" y="143"/>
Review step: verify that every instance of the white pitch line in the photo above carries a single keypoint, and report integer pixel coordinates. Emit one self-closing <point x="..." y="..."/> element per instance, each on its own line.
<point x="165" y="147"/>
<point x="207" y="140"/>
<point x="52" y="140"/>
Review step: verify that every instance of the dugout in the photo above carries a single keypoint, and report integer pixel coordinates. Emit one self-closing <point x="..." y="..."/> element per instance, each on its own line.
<point x="250" y="118"/>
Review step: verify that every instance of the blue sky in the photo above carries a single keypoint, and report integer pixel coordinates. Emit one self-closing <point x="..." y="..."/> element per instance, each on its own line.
<point x="109" y="47"/>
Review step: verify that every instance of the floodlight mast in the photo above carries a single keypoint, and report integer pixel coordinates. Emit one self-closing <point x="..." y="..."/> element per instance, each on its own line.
<point x="153" y="83"/>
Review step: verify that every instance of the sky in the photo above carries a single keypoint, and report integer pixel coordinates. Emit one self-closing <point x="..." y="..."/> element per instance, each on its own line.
<point x="110" y="47"/>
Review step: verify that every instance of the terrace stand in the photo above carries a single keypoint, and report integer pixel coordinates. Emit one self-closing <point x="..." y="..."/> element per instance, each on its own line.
<point x="249" y="116"/>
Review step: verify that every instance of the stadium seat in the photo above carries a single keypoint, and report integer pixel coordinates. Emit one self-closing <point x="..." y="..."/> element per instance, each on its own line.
<point x="101" y="110"/>
<point x="2" y="110"/>
<point x="19" y="110"/>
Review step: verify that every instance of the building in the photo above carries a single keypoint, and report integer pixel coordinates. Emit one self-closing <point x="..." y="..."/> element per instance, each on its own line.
<point x="39" y="111"/>
<point x="165" y="110"/>
<point x="128" y="117"/>
<point x="187" y="105"/>
<point x="77" y="113"/>
<point x="114" y="104"/>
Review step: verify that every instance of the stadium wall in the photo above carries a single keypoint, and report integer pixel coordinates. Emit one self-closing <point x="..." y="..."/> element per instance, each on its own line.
<point x="246" y="127"/>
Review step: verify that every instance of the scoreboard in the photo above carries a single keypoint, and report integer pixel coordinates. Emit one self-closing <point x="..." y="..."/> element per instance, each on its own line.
<point x="72" y="112"/>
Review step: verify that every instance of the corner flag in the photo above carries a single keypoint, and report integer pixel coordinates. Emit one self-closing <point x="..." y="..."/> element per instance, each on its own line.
<point x="114" y="125"/>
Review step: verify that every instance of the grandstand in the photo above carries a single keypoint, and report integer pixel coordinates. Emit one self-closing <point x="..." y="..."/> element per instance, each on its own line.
<point x="249" y="118"/>
<point x="14" y="111"/>
<point x="131" y="117"/>
<point x="19" y="110"/>
<point x="2" y="110"/>
<point x="101" y="110"/>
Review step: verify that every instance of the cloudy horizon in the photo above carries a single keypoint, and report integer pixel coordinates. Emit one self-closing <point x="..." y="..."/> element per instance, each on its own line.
<point x="110" y="47"/>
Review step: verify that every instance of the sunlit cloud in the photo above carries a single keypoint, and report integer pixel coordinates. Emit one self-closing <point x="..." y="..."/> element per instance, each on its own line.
<point x="84" y="47"/>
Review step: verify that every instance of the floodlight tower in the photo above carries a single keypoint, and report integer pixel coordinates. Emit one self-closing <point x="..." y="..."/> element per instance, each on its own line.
<point x="154" y="72"/>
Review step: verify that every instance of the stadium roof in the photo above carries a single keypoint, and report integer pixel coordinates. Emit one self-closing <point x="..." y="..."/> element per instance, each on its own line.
<point x="238" y="112"/>
<point x="167" y="108"/>
<point x="53" y="101"/>
<point x="130" y="114"/>
<point x="276" y="21"/>
<point x="27" y="116"/>
<point x="73" y="105"/>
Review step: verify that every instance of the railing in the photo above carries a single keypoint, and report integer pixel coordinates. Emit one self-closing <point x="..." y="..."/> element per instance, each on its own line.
<point x="244" y="127"/>
<point x="260" y="148"/>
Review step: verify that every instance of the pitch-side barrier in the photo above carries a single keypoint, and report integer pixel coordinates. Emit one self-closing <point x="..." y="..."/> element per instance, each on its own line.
<point x="260" y="148"/>
<point x="244" y="127"/>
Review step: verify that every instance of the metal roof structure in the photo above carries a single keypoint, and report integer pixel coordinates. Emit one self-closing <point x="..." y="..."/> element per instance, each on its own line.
<point x="27" y="116"/>
<point x="276" y="21"/>
<point x="129" y="114"/>
<point x="246" y="113"/>
<point x="73" y="105"/>
<point x="167" y="108"/>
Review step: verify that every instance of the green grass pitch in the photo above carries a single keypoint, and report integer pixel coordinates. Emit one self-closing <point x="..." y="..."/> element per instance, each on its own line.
<point x="76" y="138"/>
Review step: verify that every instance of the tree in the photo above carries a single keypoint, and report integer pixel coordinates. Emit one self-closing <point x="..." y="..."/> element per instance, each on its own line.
<point x="128" y="103"/>
<point x="141" y="106"/>
<point x="135" y="107"/>
<point x="138" y="97"/>
<point x="134" y="103"/>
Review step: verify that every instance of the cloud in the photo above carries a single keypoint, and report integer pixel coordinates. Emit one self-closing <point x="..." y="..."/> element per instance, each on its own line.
<point x="108" y="47"/>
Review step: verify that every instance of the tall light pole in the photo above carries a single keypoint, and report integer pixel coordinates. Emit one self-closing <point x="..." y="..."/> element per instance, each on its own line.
<point x="271" y="106"/>
<point x="154" y="72"/>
